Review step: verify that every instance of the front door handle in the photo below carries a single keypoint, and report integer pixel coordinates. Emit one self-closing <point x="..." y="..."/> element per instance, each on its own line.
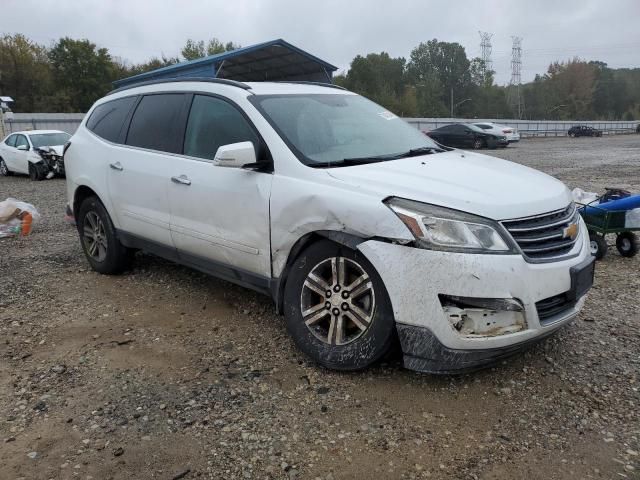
<point x="182" y="180"/>
<point x="116" y="166"/>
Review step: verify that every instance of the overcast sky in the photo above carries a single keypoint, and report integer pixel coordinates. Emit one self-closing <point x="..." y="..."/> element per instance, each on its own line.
<point x="337" y="31"/>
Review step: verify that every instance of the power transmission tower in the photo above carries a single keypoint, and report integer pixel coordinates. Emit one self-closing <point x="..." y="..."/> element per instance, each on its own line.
<point x="485" y="48"/>
<point x="515" y="95"/>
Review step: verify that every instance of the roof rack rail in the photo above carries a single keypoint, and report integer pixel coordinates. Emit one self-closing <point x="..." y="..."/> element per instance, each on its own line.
<point x="223" y="81"/>
<point x="319" y="84"/>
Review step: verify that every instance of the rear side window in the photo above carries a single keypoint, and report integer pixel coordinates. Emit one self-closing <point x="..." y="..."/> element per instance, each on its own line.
<point x="154" y="124"/>
<point x="11" y="141"/>
<point x="213" y="123"/>
<point x="107" y="119"/>
<point x="483" y="126"/>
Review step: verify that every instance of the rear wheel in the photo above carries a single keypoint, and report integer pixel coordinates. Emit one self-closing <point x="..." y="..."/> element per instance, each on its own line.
<point x="337" y="308"/>
<point x="4" y="170"/>
<point x="99" y="239"/>
<point x="627" y="244"/>
<point x="598" y="245"/>
<point x="478" y="143"/>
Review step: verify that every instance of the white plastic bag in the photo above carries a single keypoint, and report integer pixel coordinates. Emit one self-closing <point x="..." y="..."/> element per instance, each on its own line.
<point x="17" y="218"/>
<point x="582" y="197"/>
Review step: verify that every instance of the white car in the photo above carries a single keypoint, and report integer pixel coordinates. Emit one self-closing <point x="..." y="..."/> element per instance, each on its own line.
<point x="37" y="153"/>
<point x="358" y="226"/>
<point x="495" y="128"/>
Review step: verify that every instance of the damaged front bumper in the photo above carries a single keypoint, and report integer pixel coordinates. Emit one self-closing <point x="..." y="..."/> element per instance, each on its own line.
<point x="52" y="164"/>
<point x="456" y="312"/>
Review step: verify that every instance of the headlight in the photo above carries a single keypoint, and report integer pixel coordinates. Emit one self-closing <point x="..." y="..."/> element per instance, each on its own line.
<point x="439" y="228"/>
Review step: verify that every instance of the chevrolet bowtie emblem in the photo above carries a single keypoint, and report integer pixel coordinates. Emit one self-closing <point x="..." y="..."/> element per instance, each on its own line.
<point x="571" y="231"/>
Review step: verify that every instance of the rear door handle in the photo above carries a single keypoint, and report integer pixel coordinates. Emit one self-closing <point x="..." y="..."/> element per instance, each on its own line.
<point x="182" y="180"/>
<point x="116" y="166"/>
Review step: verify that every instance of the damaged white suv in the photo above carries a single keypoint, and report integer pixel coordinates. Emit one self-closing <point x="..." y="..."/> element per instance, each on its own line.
<point x="361" y="228"/>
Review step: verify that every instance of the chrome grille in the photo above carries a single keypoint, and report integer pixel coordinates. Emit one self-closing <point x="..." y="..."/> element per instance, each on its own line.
<point x="542" y="237"/>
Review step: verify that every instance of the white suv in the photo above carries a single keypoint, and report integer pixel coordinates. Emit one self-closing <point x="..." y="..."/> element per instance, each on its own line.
<point x="361" y="228"/>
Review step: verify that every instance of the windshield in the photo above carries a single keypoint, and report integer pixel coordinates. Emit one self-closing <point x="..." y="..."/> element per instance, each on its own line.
<point x="325" y="128"/>
<point x="49" y="139"/>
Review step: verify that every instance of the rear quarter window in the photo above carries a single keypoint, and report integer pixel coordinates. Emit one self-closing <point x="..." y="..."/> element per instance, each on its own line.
<point x="107" y="119"/>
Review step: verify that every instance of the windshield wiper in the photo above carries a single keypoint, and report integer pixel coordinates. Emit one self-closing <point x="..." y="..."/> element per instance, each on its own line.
<point x="415" y="152"/>
<point x="347" y="162"/>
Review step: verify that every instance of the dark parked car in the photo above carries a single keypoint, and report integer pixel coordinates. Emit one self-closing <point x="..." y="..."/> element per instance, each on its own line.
<point x="464" y="135"/>
<point x="584" y="131"/>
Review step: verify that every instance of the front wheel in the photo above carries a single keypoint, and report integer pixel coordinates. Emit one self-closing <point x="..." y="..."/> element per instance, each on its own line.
<point x="627" y="244"/>
<point x="337" y="308"/>
<point x="99" y="240"/>
<point x="4" y="170"/>
<point x="36" y="172"/>
<point x="598" y="245"/>
<point x="478" y="143"/>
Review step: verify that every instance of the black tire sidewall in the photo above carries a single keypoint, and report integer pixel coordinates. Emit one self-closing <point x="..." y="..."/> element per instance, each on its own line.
<point x="363" y="351"/>
<point x="117" y="255"/>
<point x="6" y="168"/>
<point x="601" y="242"/>
<point x="633" y="247"/>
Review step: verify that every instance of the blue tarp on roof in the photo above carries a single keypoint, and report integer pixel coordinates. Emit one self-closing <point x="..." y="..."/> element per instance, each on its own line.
<point x="276" y="60"/>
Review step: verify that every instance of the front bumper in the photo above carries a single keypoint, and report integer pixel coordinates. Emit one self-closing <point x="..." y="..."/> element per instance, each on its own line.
<point x="415" y="278"/>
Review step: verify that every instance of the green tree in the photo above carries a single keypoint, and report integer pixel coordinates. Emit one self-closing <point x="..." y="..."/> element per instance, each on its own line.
<point x="380" y="78"/>
<point x="197" y="49"/>
<point x="25" y="74"/>
<point x="82" y="72"/>
<point x="448" y="62"/>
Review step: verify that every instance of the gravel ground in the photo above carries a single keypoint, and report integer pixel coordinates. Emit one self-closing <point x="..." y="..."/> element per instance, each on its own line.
<point x="166" y="373"/>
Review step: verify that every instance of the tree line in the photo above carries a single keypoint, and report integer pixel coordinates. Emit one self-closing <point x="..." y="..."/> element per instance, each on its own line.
<point x="437" y="80"/>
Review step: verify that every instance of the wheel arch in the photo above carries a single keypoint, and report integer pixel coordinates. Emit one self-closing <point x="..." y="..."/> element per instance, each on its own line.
<point x="338" y="237"/>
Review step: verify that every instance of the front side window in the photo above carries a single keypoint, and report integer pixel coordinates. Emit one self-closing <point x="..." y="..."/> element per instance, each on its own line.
<point x="49" y="139"/>
<point x="11" y="140"/>
<point x="213" y="123"/>
<point x="323" y="128"/>
<point x="21" y="140"/>
<point x="107" y="119"/>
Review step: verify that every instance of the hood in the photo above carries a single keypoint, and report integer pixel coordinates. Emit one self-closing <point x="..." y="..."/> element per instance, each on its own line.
<point x="470" y="182"/>
<point x="58" y="149"/>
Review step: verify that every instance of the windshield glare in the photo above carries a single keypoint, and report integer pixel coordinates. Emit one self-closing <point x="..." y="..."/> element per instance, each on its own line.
<point x="322" y="128"/>
<point x="49" y="139"/>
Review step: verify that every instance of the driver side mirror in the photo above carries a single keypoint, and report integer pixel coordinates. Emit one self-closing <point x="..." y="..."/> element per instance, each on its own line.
<point x="235" y="155"/>
<point x="23" y="147"/>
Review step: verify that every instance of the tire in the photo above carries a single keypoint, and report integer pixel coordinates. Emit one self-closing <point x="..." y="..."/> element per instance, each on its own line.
<point x="35" y="172"/>
<point x="628" y="244"/>
<point x="4" y="170"/>
<point x="106" y="255"/>
<point x="360" y="342"/>
<point x="478" y="143"/>
<point x="598" y="245"/>
<point x="571" y="134"/>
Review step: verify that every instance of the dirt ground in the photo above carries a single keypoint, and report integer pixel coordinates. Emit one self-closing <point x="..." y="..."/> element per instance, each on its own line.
<point x="166" y="373"/>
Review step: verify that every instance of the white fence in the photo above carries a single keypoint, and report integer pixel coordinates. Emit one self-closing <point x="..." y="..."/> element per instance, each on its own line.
<point x="531" y="128"/>
<point x="67" y="122"/>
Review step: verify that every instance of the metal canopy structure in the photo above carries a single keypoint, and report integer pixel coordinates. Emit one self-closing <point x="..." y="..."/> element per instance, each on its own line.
<point x="274" y="61"/>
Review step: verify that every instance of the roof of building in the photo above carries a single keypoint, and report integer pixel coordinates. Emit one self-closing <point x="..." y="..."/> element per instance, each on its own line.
<point x="276" y="60"/>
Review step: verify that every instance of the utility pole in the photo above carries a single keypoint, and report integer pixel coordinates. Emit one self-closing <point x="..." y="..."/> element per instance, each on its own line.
<point x="485" y="48"/>
<point x="515" y="95"/>
<point x="451" y="102"/>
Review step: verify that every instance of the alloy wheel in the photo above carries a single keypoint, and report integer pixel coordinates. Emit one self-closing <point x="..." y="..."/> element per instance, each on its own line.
<point x="593" y="247"/>
<point x="338" y="301"/>
<point x="94" y="236"/>
<point x="3" y="168"/>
